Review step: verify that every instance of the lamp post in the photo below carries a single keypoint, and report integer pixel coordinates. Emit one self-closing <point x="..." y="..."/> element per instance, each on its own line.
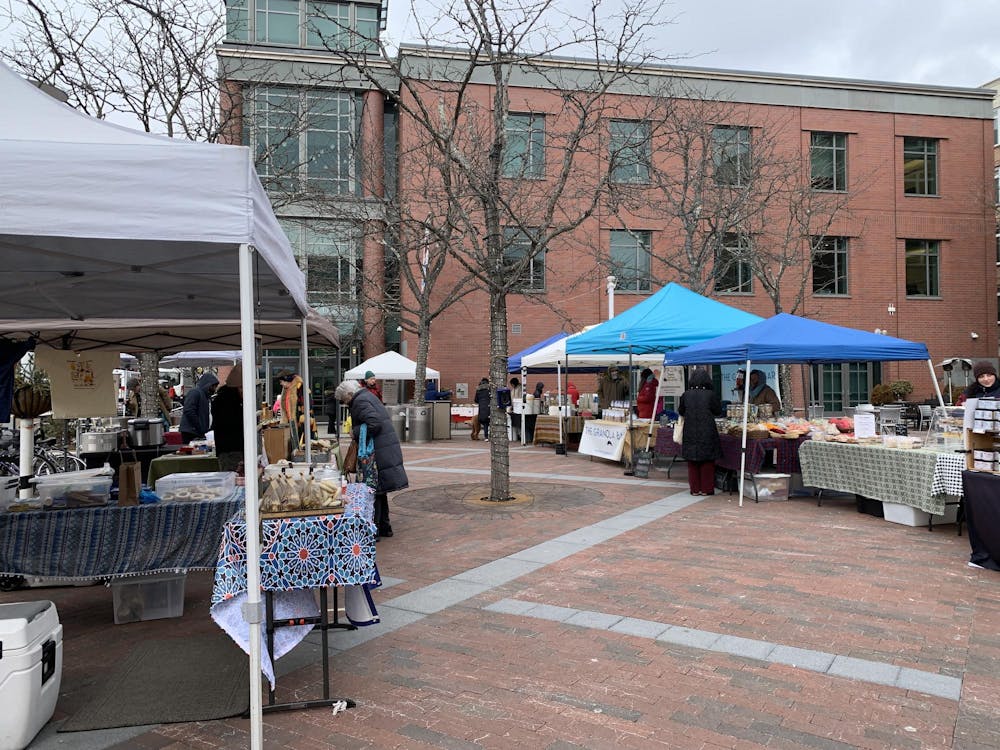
<point x="611" y="296"/>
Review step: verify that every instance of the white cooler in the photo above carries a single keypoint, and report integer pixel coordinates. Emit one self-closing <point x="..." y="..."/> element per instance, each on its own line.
<point x="30" y="670"/>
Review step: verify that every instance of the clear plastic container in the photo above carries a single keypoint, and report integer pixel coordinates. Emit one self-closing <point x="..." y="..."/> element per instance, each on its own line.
<point x="947" y="429"/>
<point x="196" y="485"/>
<point x="150" y="597"/>
<point x="91" y="485"/>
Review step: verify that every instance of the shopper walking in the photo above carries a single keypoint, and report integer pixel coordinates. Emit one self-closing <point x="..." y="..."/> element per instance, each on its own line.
<point x="700" y="447"/>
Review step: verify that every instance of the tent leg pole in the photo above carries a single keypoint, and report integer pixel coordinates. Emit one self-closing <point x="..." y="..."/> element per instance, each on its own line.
<point x="252" y="610"/>
<point x="746" y="414"/>
<point x="306" y="391"/>
<point x="937" y="388"/>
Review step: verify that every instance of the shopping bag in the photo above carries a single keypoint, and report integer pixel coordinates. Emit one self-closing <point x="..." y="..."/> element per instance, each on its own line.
<point x="679" y="430"/>
<point x="129" y="483"/>
<point x="351" y="458"/>
<point x="367" y="470"/>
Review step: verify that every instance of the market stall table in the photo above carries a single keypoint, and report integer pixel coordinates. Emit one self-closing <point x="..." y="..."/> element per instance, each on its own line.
<point x="174" y="464"/>
<point x="110" y="541"/>
<point x="785" y="450"/>
<point x="298" y="554"/>
<point x="547" y="429"/>
<point x="114" y="459"/>
<point x="921" y="479"/>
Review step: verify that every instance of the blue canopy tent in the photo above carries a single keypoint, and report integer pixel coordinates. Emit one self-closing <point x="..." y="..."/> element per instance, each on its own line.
<point x="672" y="318"/>
<point x="514" y="360"/>
<point x="790" y="339"/>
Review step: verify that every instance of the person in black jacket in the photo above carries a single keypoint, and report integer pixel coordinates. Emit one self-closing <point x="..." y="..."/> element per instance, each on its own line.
<point x="986" y="385"/>
<point x="197" y="412"/>
<point x="227" y="421"/>
<point x="366" y="409"/>
<point x="700" y="447"/>
<point x="483" y="401"/>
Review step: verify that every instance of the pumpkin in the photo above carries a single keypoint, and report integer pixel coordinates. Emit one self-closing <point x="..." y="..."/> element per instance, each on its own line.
<point x="29" y="403"/>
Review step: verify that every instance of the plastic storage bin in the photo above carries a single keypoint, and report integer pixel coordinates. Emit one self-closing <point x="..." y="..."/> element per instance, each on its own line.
<point x="769" y="487"/>
<point x="92" y="485"/>
<point x="30" y="670"/>
<point x="196" y="485"/>
<point x="152" y="597"/>
<point x="907" y="515"/>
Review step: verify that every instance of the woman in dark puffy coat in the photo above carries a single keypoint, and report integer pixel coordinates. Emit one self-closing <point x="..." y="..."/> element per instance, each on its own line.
<point x="700" y="405"/>
<point x="366" y="409"/>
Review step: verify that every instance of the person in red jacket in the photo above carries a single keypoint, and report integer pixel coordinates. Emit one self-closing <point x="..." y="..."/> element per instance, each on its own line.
<point x="572" y="392"/>
<point x="371" y="383"/>
<point x="647" y="394"/>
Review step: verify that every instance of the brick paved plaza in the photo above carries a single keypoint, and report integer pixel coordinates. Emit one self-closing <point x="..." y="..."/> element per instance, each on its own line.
<point x="606" y="611"/>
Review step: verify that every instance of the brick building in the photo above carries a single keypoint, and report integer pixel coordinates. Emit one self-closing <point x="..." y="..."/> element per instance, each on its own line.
<point x="912" y="249"/>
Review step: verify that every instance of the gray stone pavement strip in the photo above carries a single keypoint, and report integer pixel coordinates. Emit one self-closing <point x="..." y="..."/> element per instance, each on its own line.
<point x="548" y="552"/>
<point x="500" y="571"/>
<point x="630" y="481"/>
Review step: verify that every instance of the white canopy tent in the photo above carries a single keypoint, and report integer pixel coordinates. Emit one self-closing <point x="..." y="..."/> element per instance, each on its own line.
<point x="99" y="221"/>
<point x="389" y="366"/>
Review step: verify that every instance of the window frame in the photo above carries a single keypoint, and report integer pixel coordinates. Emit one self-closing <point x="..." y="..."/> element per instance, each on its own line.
<point x="630" y="153"/>
<point x="930" y="250"/>
<point x="735" y="151"/>
<point x="733" y="245"/>
<point x="304" y="234"/>
<point x="836" y="181"/>
<point x="529" y="163"/>
<point x="639" y="276"/>
<point x="921" y="179"/>
<point x="532" y="279"/>
<point x="840" y="272"/>
<point x="249" y="21"/>
<point x="308" y="174"/>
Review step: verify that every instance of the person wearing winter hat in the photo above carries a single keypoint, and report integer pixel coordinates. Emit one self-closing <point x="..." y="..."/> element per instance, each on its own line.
<point x="371" y="383"/>
<point x="986" y="381"/>
<point x="227" y="421"/>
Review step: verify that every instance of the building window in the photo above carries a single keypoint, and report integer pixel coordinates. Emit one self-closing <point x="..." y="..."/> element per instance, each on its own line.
<point x="846" y="384"/>
<point x="316" y="24"/>
<point x="733" y="274"/>
<point x="923" y="262"/>
<point x="520" y="259"/>
<point x="731" y="155"/>
<point x="525" y="153"/>
<point x="630" y="260"/>
<point x="920" y="166"/>
<point x="238" y="20"/>
<point x="630" y="151"/>
<point x="828" y="159"/>
<point x="304" y="140"/>
<point x="996" y="126"/>
<point x="277" y="21"/>
<point x="328" y="254"/>
<point x="829" y="265"/>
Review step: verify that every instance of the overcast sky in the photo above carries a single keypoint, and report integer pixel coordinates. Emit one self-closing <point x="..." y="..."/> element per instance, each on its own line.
<point x="941" y="42"/>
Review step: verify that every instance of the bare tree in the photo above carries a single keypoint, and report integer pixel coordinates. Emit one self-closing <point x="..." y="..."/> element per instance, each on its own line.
<point x="481" y="198"/>
<point x="145" y="63"/>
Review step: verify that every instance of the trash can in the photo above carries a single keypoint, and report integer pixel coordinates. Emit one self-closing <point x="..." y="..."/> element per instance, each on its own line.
<point x="397" y="415"/>
<point x="420" y="421"/>
<point x="441" y="419"/>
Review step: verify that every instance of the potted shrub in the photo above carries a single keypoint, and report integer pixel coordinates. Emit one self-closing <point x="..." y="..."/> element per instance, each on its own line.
<point x="882" y="394"/>
<point x="901" y="389"/>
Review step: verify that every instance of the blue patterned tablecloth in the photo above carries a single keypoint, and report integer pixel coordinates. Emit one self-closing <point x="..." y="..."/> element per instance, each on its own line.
<point x="111" y="541"/>
<point x="298" y="554"/>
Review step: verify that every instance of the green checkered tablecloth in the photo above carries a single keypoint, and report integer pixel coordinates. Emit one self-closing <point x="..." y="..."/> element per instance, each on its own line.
<point x="892" y="475"/>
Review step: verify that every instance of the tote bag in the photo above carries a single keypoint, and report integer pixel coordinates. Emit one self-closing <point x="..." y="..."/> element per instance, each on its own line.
<point x="679" y="430"/>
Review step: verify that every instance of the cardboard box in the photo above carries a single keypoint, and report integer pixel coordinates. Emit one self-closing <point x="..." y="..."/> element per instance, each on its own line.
<point x="769" y="487"/>
<point x="910" y="516"/>
<point x="152" y="597"/>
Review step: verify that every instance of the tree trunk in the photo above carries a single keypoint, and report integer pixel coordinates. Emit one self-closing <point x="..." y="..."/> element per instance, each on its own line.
<point x="149" y="389"/>
<point x="499" y="446"/>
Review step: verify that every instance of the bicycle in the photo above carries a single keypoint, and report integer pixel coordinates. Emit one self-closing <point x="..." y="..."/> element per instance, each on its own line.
<point x="42" y="463"/>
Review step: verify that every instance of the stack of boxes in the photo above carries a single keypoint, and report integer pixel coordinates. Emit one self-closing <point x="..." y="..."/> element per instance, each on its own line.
<point x="985" y="441"/>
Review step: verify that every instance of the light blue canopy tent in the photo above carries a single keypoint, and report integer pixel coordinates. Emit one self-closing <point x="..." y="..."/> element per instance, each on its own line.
<point x="672" y="318"/>
<point x="790" y="339"/>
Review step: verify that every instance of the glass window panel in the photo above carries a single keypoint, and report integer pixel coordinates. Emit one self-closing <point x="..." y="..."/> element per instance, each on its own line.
<point x="530" y="272"/>
<point x="920" y="166"/>
<point x="630" y="151"/>
<point x="366" y="27"/>
<point x="525" y="152"/>
<point x="731" y="155"/>
<point x="830" y="265"/>
<point x="237" y="20"/>
<point x="828" y="161"/>
<point x="630" y="260"/>
<point x="278" y="21"/>
<point x="327" y="25"/>
<point x="733" y="273"/>
<point x="922" y="268"/>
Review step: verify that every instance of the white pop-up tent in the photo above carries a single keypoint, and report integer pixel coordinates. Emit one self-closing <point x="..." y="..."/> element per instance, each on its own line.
<point x="389" y="366"/>
<point x="99" y="221"/>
